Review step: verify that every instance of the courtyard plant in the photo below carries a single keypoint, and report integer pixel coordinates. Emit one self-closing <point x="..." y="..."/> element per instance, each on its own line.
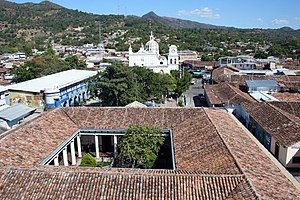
<point x="140" y="146"/>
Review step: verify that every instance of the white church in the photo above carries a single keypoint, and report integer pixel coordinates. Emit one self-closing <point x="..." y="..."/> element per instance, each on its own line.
<point x="149" y="57"/>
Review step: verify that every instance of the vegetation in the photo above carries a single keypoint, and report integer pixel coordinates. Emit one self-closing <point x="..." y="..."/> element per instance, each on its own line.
<point x="24" y="26"/>
<point x="140" y="145"/>
<point x="182" y="81"/>
<point x="119" y="85"/>
<point x="88" y="161"/>
<point x="45" y="64"/>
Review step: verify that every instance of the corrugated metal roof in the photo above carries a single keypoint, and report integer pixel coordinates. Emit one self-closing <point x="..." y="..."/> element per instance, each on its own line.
<point x="262" y="83"/>
<point x="58" y="80"/>
<point x="15" y="112"/>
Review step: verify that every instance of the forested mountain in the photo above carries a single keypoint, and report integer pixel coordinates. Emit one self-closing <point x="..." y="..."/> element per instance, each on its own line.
<point x="178" y="23"/>
<point x="23" y="26"/>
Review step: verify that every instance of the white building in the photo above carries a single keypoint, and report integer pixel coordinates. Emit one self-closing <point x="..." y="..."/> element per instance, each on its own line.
<point x="62" y="89"/>
<point x="243" y="62"/>
<point x="149" y="57"/>
<point x="4" y="97"/>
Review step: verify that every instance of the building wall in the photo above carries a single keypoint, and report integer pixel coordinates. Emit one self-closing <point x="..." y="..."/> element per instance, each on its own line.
<point x="293" y="151"/>
<point x="28" y="98"/>
<point x="4" y="98"/>
<point x="68" y="96"/>
<point x="265" y="89"/>
<point x="4" y="124"/>
<point x="145" y="59"/>
<point x="285" y="154"/>
<point x="282" y="155"/>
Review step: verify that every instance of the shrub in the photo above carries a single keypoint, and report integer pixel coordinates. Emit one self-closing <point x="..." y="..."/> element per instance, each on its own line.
<point x="88" y="161"/>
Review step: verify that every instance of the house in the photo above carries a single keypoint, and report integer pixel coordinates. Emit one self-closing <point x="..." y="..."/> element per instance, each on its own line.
<point x="241" y="62"/>
<point x="62" y="89"/>
<point x="225" y="95"/>
<point x="277" y="126"/>
<point x="263" y="85"/>
<point x="14" y="115"/>
<point x="4" y="97"/>
<point x="215" y="158"/>
<point x="187" y="55"/>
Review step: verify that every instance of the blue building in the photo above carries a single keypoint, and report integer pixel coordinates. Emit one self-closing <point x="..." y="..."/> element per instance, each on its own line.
<point x="62" y="89"/>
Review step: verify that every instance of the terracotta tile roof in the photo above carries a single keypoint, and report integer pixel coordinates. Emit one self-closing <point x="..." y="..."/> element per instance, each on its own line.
<point x="285" y="128"/>
<point x="223" y="93"/>
<point x="31" y="143"/>
<point x="188" y="125"/>
<point x="292" y="108"/>
<point x="83" y="185"/>
<point x="209" y="165"/>
<point x="265" y="177"/>
<point x="220" y="74"/>
<point x="287" y="97"/>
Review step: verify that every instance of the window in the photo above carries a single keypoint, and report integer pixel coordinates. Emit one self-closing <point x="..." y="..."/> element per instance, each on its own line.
<point x="296" y="159"/>
<point x="175" y="61"/>
<point x="171" y="61"/>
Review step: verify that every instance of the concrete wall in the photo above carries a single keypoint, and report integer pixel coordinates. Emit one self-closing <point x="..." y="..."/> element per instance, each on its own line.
<point x="68" y="96"/>
<point x="4" y="124"/>
<point x="27" y="98"/>
<point x="293" y="151"/>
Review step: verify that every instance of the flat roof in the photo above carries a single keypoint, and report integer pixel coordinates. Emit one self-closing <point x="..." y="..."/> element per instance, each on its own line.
<point x="2" y="88"/>
<point x="262" y="96"/>
<point x="53" y="81"/>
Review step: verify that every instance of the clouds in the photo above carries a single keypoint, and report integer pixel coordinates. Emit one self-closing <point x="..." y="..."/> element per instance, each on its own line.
<point x="259" y="20"/>
<point x="203" y="13"/>
<point x="280" y="22"/>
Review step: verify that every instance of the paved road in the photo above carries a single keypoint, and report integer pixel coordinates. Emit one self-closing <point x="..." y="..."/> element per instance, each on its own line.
<point x="194" y="96"/>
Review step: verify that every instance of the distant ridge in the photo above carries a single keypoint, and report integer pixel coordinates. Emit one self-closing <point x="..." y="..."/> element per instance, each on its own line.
<point x="179" y="23"/>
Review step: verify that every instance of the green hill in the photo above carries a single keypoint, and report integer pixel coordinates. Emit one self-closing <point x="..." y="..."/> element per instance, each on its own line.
<point x="23" y="26"/>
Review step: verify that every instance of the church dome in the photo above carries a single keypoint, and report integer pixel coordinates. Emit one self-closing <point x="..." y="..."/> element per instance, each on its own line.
<point x="152" y="45"/>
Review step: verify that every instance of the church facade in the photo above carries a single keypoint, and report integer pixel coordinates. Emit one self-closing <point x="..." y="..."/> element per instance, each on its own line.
<point x="148" y="56"/>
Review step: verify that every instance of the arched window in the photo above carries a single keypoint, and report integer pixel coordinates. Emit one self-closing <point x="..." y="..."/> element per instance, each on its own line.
<point x="175" y="61"/>
<point x="161" y="62"/>
<point x="171" y="61"/>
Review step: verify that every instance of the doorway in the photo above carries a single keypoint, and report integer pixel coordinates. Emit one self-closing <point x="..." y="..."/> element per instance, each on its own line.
<point x="277" y="146"/>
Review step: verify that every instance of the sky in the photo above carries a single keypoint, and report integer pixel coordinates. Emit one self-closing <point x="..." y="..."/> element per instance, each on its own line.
<point x="232" y="13"/>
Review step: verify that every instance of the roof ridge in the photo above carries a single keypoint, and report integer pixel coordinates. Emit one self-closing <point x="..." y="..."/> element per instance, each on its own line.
<point x="238" y="185"/>
<point x="239" y="92"/>
<point x="286" y="114"/>
<point x="125" y="172"/>
<point x="209" y="118"/>
<point x="65" y="112"/>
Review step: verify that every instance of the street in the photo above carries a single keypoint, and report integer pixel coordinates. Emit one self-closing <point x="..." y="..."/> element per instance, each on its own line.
<point x="195" y="95"/>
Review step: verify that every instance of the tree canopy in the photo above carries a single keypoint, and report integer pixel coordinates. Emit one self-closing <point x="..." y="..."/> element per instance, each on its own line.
<point x="119" y="85"/>
<point x="140" y="145"/>
<point x="44" y="65"/>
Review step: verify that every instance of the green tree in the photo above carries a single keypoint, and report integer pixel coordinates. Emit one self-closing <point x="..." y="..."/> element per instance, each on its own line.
<point x="75" y="63"/>
<point x="115" y="86"/>
<point x="140" y="145"/>
<point x="88" y="161"/>
<point x="26" y="72"/>
<point x="119" y="85"/>
<point x="183" y="81"/>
